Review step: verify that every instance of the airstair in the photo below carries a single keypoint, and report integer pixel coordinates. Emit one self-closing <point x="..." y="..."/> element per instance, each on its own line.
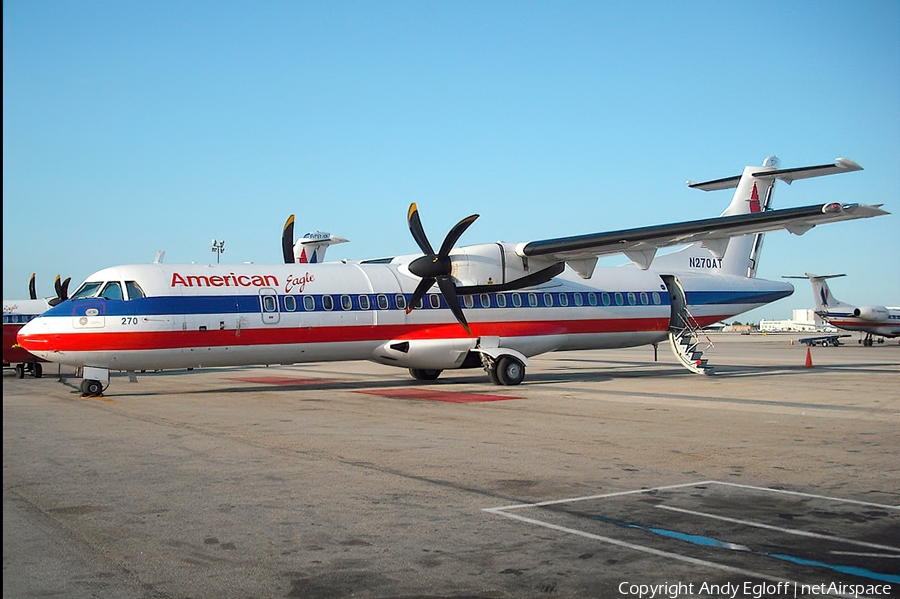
<point x="684" y="332"/>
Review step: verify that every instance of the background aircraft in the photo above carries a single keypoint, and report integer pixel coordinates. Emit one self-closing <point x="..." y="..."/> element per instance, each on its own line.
<point x="15" y="314"/>
<point x="495" y="304"/>
<point x="874" y="321"/>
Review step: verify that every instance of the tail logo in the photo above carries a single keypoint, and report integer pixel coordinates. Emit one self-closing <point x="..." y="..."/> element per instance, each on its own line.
<point x="824" y="294"/>
<point x="754" y="200"/>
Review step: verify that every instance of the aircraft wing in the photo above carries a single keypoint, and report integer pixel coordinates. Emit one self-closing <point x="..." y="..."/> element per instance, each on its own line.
<point x="640" y="244"/>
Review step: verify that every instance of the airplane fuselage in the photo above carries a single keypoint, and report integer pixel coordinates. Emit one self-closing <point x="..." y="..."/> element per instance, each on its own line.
<point x="221" y="315"/>
<point x="872" y="320"/>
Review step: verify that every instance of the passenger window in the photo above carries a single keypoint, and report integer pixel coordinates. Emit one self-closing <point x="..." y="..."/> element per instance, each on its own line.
<point x="532" y="300"/>
<point x="592" y="299"/>
<point x="364" y="302"/>
<point x="400" y="299"/>
<point x="269" y="304"/>
<point x="632" y="300"/>
<point x="620" y="301"/>
<point x="656" y="298"/>
<point x="563" y="299"/>
<point x="579" y="301"/>
<point x="501" y="300"/>
<point x="605" y="297"/>
<point x="382" y="302"/>
<point x="346" y="302"/>
<point x="134" y="290"/>
<point x="112" y="291"/>
<point x="468" y="302"/>
<point x="644" y="299"/>
<point x="328" y="303"/>
<point x="290" y="303"/>
<point x="434" y="300"/>
<point x="485" y="300"/>
<point x="517" y="300"/>
<point x="548" y="300"/>
<point x="309" y="303"/>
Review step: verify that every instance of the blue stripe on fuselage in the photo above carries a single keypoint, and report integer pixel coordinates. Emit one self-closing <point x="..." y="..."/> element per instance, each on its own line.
<point x="243" y="304"/>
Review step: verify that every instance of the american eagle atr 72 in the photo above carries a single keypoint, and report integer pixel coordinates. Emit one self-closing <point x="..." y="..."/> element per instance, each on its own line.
<point x="488" y="306"/>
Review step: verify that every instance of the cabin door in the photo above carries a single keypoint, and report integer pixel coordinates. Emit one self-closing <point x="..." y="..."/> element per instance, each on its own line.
<point x="268" y="305"/>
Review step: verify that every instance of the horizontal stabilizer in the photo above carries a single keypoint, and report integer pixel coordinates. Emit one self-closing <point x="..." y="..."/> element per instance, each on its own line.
<point x="788" y="175"/>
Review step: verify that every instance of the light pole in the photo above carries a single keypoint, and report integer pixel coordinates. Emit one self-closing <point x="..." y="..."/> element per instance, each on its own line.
<point x="219" y="248"/>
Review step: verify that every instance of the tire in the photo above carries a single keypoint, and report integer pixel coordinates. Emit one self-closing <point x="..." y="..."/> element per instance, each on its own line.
<point x="91" y="388"/>
<point x="510" y="371"/>
<point x="423" y="374"/>
<point x="20" y="371"/>
<point x="38" y="370"/>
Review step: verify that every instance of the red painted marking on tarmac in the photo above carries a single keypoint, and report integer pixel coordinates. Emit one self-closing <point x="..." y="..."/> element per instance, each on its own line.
<point x="432" y="395"/>
<point x="279" y="380"/>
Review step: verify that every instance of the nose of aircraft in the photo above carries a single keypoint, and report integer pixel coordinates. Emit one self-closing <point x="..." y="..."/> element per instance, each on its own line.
<point x="28" y="338"/>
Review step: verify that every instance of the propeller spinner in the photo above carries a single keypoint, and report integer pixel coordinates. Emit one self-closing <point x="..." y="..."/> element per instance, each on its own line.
<point x="436" y="268"/>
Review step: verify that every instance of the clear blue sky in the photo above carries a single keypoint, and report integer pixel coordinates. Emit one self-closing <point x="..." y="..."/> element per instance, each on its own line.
<point x="133" y="127"/>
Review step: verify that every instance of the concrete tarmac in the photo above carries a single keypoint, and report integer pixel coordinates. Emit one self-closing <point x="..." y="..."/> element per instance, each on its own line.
<point x="603" y="474"/>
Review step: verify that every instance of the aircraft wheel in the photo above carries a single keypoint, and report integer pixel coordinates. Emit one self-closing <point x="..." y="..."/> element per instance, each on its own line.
<point x="91" y="388"/>
<point x="424" y="374"/>
<point x="510" y="371"/>
<point x="492" y="374"/>
<point x="20" y="371"/>
<point x="38" y="371"/>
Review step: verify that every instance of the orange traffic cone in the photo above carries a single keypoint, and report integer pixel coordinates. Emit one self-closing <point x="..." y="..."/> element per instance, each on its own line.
<point x="808" y="358"/>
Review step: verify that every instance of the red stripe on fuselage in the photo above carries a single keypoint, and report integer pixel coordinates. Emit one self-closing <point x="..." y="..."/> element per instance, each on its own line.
<point x="152" y="340"/>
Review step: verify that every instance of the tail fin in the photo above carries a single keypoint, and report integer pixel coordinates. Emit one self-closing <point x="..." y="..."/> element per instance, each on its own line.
<point x="311" y="247"/>
<point x="754" y="190"/>
<point x="821" y="293"/>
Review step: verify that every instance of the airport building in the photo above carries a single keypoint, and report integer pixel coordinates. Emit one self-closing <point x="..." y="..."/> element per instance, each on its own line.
<point x="804" y="321"/>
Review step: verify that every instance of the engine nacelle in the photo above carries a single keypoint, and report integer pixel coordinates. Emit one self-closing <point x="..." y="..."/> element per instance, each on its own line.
<point x="426" y="354"/>
<point x="871" y="313"/>
<point x="492" y="264"/>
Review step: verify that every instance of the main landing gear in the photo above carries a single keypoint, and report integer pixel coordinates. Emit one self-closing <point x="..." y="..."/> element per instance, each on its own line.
<point x="33" y="368"/>
<point x="503" y="370"/>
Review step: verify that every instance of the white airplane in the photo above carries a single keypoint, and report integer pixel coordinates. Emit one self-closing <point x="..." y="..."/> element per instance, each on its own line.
<point x="874" y="321"/>
<point x="18" y="312"/>
<point x="495" y="304"/>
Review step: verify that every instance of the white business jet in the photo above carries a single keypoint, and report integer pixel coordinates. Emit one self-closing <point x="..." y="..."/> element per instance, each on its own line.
<point x="874" y="321"/>
<point x="494" y="305"/>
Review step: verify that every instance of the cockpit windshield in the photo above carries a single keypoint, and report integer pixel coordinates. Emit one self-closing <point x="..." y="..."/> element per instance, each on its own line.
<point x="134" y="290"/>
<point x="111" y="290"/>
<point x="88" y="289"/>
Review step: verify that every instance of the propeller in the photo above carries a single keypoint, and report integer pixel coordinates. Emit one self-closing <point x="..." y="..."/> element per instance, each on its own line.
<point x="62" y="291"/>
<point x="287" y="241"/>
<point x="436" y="268"/>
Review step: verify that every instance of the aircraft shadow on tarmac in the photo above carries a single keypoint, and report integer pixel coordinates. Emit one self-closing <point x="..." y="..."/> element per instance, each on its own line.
<point x="580" y="371"/>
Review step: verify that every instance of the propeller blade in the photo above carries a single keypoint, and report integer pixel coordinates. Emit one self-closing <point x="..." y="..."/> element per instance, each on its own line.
<point x="418" y="233"/>
<point x="448" y="290"/>
<point x="57" y="285"/>
<point x="65" y="289"/>
<point x="455" y="233"/>
<point x="31" y="292"/>
<point x="287" y="241"/>
<point x="421" y="289"/>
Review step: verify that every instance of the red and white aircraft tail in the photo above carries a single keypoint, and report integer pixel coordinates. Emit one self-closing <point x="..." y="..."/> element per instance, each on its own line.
<point x="754" y="191"/>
